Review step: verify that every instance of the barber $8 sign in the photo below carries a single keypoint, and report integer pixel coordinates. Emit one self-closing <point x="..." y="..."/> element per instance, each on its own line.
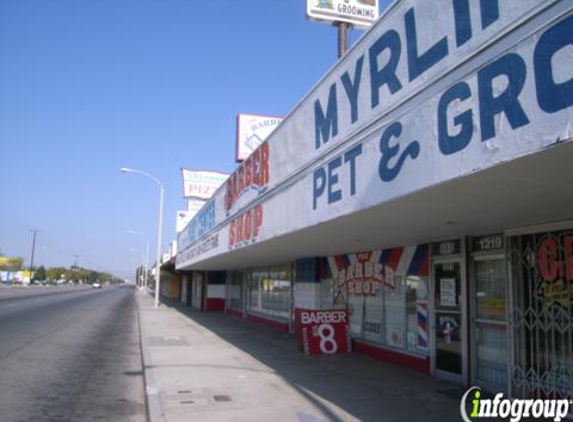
<point x="325" y="332"/>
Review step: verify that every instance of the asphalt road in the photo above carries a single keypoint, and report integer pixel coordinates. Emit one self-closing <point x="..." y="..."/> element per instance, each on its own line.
<point x="70" y="355"/>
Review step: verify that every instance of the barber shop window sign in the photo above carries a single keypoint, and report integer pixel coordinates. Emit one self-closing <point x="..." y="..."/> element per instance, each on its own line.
<point x="366" y="273"/>
<point x="361" y="274"/>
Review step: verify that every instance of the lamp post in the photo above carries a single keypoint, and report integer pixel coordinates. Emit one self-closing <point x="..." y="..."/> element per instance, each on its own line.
<point x="159" y="227"/>
<point x="146" y="260"/>
<point x="140" y="267"/>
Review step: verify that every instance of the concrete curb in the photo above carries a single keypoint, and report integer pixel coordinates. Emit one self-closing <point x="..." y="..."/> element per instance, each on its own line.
<point x="152" y="401"/>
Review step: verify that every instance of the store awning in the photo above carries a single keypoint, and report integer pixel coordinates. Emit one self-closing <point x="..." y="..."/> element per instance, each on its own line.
<point x="534" y="189"/>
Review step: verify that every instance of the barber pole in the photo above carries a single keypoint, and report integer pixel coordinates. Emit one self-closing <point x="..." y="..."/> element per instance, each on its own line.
<point x="422" y="311"/>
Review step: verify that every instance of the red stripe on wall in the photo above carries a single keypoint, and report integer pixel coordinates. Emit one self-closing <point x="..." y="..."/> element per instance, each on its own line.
<point x="214" y="304"/>
<point x="417" y="364"/>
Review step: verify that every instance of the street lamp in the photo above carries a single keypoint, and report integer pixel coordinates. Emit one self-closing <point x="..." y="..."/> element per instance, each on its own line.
<point x="159" y="227"/>
<point x="146" y="251"/>
<point x="140" y="267"/>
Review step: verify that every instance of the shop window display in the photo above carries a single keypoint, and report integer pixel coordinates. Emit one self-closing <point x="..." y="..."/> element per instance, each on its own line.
<point x="386" y="293"/>
<point x="269" y="291"/>
<point x="235" y="290"/>
<point x="541" y="315"/>
<point x="490" y="323"/>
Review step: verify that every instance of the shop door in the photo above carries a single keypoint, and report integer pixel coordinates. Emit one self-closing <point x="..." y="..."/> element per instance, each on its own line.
<point x="449" y="356"/>
<point x="541" y="317"/>
<point x="189" y="282"/>
<point x="489" y="323"/>
<point x="198" y="291"/>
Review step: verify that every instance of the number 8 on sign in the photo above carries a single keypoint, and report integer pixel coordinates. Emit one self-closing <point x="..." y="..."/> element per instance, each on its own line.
<point x="328" y="344"/>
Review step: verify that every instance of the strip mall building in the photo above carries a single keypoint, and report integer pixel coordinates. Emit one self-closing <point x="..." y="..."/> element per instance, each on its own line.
<point x="424" y="184"/>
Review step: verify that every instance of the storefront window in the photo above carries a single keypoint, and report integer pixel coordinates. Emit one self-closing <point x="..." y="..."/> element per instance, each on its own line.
<point x="235" y="290"/>
<point x="386" y="294"/>
<point x="253" y="291"/>
<point x="542" y="322"/>
<point x="395" y="315"/>
<point x="491" y="343"/>
<point x="373" y="317"/>
<point x="356" y="315"/>
<point x="416" y="312"/>
<point x="489" y="323"/>
<point x="327" y="295"/>
<point x="197" y="290"/>
<point x="490" y="289"/>
<point x="269" y="291"/>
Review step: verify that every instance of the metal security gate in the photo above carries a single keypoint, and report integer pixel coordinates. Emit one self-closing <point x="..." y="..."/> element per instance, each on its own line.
<point x="541" y="328"/>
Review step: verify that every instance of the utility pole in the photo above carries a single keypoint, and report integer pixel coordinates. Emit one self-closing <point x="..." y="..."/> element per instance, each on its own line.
<point x="343" y="28"/>
<point x="76" y="259"/>
<point x="35" y="232"/>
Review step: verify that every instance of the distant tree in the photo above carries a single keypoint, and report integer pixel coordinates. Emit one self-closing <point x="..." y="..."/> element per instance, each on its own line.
<point x="72" y="274"/>
<point x="76" y="274"/>
<point x="55" y="273"/>
<point x="107" y="278"/>
<point x="91" y="276"/>
<point x="40" y="273"/>
<point x="11" y="264"/>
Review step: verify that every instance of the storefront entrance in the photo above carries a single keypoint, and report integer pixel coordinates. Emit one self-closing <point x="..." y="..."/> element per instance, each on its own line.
<point x="449" y="332"/>
<point x="541" y="317"/>
<point x="198" y="290"/>
<point x="269" y="292"/>
<point x="488" y="313"/>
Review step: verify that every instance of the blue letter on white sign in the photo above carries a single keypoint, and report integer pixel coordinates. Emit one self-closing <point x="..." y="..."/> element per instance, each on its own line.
<point x="326" y="126"/>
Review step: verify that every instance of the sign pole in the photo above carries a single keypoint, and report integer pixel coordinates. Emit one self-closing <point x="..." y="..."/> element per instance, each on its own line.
<point x="343" y="28"/>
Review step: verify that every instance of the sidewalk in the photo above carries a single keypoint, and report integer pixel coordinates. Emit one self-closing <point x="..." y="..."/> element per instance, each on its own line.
<point x="215" y="367"/>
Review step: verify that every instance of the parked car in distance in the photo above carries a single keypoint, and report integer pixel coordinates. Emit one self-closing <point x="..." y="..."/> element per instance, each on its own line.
<point x="96" y="286"/>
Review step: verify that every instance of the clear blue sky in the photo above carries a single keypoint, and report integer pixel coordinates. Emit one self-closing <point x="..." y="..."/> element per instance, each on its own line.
<point x="90" y="86"/>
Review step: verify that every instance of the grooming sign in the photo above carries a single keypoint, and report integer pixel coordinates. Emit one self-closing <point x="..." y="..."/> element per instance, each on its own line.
<point x="360" y="13"/>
